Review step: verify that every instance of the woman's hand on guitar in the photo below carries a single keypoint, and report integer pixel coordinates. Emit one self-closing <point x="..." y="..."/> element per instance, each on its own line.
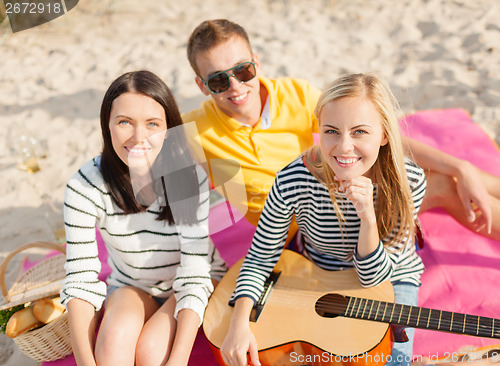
<point x="236" y="345"/>
<point x="239" y="338"/>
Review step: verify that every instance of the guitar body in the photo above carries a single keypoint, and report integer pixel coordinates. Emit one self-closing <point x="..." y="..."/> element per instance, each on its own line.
<point x="289" y="331"/>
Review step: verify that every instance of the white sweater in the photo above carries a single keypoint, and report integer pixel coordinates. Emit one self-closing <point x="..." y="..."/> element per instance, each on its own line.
<point x="145" y="253"/>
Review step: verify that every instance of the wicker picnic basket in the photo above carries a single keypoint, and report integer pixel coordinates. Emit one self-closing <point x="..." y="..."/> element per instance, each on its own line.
<point x="51" y="341"/>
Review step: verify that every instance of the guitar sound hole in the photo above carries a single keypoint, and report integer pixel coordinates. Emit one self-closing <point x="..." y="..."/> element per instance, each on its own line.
<point x="331" y="305"/>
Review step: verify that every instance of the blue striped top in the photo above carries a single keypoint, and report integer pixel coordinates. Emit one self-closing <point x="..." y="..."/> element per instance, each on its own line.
<point x="297" y="192"/>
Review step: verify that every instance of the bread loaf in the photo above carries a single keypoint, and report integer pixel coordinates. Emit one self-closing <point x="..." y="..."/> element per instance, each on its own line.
<point x="47" y="310"/>
<point x="21" y="322"/>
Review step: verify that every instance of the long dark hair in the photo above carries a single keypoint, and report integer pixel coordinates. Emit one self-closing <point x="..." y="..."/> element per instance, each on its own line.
<point x="116" y="173"/>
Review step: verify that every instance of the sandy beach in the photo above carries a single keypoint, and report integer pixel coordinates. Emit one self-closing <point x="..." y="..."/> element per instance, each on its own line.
<point x="434" y="54"/>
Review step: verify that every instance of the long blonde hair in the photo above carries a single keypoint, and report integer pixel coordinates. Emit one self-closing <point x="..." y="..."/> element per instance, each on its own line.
<point x="394" y="205"/>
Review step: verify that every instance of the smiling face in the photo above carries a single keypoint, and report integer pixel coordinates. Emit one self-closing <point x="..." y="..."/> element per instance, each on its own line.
<point x="351" y="136"/>
<point x="242" y="101"/>
<point x="138" y="126"/>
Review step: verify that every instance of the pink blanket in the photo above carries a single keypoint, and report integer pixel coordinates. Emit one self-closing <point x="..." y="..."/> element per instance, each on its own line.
<point x="462" y="268"/>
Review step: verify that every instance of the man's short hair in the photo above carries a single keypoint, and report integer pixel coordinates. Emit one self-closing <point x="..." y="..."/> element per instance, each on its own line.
<point x="209" y="34"/>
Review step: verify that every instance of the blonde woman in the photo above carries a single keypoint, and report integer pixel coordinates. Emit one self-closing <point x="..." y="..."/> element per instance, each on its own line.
<point x="355" y="198"/>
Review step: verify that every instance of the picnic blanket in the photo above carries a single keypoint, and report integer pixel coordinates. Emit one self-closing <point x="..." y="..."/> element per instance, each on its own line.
<point x="462" y="269"/>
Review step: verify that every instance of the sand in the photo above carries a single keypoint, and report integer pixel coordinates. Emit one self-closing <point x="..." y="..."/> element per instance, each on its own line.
<point x="434" y="54"/>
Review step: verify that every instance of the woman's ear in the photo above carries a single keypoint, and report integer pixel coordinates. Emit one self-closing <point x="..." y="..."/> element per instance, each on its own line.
<point x="384" y="141"/>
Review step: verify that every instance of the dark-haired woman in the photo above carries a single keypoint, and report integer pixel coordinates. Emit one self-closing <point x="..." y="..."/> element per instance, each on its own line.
<point x="153" y="218"/>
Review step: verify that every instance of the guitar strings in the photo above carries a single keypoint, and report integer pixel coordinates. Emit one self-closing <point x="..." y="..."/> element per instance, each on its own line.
<point x="473" y="325"/>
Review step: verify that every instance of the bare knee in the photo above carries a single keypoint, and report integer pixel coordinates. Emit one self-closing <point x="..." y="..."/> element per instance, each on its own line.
<point x="153" y="349"/>
<point x="107" y="352"/>
<point x="156" y="339"/>
<point x="441" y="191"/>
<point x="116" y="343"/>
<point x="120" y="328"/>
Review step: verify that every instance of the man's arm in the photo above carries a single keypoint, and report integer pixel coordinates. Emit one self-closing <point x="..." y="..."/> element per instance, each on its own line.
<point x="470" y="188"/>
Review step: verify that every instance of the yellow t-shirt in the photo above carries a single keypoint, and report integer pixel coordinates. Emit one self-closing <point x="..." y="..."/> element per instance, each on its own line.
<point x="251" y="156"/>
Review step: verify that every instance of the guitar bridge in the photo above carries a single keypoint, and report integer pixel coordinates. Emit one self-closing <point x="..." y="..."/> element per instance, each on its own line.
<point x="268" y="285"/>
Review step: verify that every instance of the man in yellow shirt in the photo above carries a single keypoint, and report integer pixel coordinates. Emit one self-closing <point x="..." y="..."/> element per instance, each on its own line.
<point x="263" y="124"/>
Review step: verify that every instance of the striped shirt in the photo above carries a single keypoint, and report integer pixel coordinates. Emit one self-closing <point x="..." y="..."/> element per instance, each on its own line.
<point x="145" y="253"/>
<point x="297" y="192"/>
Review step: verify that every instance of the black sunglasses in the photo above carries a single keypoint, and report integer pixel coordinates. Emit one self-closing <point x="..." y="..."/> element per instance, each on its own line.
<point x="219" y="82"/>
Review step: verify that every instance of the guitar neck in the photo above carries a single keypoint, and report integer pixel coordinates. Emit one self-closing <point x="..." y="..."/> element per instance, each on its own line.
<point x="424" y="318"/>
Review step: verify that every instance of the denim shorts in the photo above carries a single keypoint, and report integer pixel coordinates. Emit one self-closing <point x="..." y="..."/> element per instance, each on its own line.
<point x="159" y="300"/>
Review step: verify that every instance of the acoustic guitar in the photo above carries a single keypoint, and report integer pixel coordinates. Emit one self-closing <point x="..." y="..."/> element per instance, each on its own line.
<point x="309" y="316"/>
